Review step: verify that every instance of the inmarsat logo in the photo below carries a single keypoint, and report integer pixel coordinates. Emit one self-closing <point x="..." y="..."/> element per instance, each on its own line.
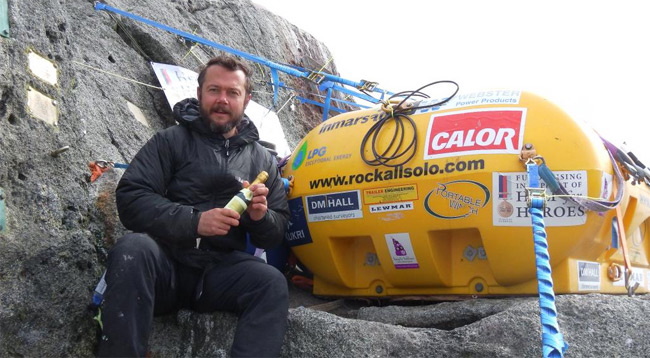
<point x="485" y="131"/>
<point x="300" y="156"/>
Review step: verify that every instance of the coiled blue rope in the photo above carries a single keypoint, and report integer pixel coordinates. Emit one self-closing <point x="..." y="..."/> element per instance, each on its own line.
<point x="553" y="344"/>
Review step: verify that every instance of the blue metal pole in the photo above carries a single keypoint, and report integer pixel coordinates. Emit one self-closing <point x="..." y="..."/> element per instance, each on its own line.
<point x="328" y="101"/>
<point x="553" y="344"/>
<point x="246" y="55"/>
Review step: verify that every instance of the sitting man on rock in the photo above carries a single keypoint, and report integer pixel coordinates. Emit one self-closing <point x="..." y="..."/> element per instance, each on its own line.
<point x="187" y="250"/>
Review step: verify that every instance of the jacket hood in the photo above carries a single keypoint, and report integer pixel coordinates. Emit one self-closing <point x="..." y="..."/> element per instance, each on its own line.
<point x="187" y="113"/>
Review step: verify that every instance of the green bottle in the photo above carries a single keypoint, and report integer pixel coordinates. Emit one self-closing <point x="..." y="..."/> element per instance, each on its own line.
<point x="240" y="202"/>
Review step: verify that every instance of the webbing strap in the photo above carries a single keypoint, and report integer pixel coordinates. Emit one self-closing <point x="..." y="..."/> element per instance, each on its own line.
<point x="342" y="89"/>
<point x="590" y="204"/>
<point x="553" y="344"/>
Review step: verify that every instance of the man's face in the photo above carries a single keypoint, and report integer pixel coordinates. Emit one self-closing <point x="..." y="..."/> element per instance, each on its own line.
<point x="222" y="98"/>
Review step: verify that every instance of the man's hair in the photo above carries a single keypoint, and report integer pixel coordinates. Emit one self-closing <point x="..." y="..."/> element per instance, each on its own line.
<point x="231" y="64"/>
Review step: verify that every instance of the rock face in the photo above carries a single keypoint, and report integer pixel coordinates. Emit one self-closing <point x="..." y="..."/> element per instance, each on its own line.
<point x="59" y="224"/>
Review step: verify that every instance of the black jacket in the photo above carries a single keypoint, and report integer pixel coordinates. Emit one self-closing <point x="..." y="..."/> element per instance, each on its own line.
<point x="187" y="169"/>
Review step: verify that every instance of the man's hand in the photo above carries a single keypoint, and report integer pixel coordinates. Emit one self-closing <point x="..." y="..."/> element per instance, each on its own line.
<point x="257" y="207"/>
<point x="217" y="222"/>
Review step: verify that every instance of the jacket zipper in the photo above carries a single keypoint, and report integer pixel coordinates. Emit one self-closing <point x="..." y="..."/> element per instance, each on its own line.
<point x="227" y="145"/>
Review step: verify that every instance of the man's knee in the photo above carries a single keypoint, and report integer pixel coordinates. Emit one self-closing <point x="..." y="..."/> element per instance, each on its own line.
<point x="272" y="281"/>
<point x="134" y="243"/>
<point x="134" y="249"/>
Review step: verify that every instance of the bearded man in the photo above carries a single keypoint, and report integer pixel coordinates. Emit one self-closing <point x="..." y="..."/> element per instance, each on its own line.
<point x="187" y="250"/>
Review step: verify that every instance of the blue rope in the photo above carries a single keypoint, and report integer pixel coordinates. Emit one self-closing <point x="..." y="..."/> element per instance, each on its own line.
<point x="553" y="344"/>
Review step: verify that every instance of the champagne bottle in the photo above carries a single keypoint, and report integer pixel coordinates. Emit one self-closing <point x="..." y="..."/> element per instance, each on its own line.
<point x="240" y="202"/>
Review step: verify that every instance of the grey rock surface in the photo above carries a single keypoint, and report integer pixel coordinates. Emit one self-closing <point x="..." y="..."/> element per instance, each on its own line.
<point x="60" y="224"/>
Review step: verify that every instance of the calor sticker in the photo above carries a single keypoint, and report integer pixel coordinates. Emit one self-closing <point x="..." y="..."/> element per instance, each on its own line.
<point x="480" y="131"/>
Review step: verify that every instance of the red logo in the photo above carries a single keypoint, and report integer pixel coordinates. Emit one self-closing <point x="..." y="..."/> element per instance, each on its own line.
<point x="486" y="131"/>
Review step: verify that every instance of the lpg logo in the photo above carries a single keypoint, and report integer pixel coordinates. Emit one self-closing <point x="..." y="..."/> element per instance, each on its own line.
<point x="484" y="131"/>
<point x="300" y="156"/>
<point x="305" y="153"/>
<point x="318" y="152"/>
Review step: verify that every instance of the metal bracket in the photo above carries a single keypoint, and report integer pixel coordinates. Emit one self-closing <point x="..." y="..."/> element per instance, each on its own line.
<point x="630" y="288"/>
<point x="533" y="193"/>
<point x="316" y="77"/>
<point x="368" y="85"/>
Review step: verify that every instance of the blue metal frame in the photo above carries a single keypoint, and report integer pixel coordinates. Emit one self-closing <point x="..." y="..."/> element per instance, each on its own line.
<point x="272" y="65"/>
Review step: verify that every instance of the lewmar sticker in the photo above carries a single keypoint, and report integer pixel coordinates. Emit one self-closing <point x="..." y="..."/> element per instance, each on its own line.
<point x="456" y="199"/>
<point x="478" y="131"/>
<point x="401" y="251"/>
<point x="400" y="206"/>
<point x="335" y="206"/>
<point x="588" y="276"/>
<point x="509" y="208"/>
<point x="297" y="230"/>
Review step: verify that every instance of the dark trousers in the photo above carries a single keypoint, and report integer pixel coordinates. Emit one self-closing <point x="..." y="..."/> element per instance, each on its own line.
<point x="143" y="281"/>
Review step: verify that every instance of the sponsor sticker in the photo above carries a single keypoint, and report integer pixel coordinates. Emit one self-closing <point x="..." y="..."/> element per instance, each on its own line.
<point x="399" y="206"/>
<point x="481" y="98"/>
<point x="509" y="208"/>
<point x="401" y="251"/>
<point x="335" y="206"/>
<point x="297" y="230"/>
<point x="300" y="156"/>
<point x="308" y="156"/>
<point x="588" y="276"/>
<point x="479" y="131"/>
<point x="456" y="199"/>
<point x="390" y="194"/>
<point x="637" y="276"/>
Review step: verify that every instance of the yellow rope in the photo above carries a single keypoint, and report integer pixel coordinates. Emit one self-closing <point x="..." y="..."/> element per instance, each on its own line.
<point x="190" y="51"/>
<point x="285" y="103"/>
<point x="116" y="75"/>
<point x="326" y="63"/>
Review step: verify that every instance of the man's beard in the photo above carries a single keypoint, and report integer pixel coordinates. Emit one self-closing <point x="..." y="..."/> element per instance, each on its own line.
<point x="220" y="128"/>
<point x="224" y="128"/>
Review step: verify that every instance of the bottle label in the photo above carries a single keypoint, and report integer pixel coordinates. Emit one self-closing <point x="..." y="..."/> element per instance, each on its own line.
<point x="237" y="204"/>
